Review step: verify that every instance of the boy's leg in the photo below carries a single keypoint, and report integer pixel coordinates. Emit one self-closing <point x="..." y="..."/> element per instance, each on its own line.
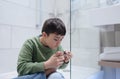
<point x="56" y="75"/>
<point x="33" y="76"/>
<point x="40" y="76"/>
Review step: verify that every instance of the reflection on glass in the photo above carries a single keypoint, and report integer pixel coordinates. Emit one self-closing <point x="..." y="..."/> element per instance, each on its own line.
<point x="112" y="2"/>
<point x="104" y="3"/>
<point x="85" y="4"/>
<point x="84" y="40"/>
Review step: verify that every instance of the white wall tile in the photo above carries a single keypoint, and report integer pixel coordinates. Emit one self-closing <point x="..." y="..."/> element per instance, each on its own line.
<point x="35" y="4"/>
<point x="85" y="57"/>
<point x="59" y="6"/>
<point x="16" y="15"/>
<point x="66" y="42"/>
<point x="49" y="7"/>
<point x="89" y="38"/>
<point x="75" y="37"/>
<point x="21" y="2"/>
<point x="62" y="6"/>
<point x="8" y="60"/>
<point x="19" y="35"/>
<point x="5" y="36"/>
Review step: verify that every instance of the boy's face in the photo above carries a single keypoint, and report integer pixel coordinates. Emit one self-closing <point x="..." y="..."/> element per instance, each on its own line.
<point x="53" y="40"/>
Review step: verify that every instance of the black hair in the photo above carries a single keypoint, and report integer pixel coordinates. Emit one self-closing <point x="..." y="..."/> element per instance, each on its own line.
<point x="54" y="25"/>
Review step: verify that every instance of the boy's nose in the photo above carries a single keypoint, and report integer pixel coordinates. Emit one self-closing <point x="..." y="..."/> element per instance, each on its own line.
<point x="58" y="42"/>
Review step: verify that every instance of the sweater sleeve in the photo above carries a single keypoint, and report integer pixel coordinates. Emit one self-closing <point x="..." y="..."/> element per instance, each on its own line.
<point x="64" y="65"/>
<point x="25" y="65"/>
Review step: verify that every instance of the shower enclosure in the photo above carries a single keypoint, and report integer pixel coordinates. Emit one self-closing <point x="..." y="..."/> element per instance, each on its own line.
<point x="85" y="43"/>
<point x="82" y="39"/>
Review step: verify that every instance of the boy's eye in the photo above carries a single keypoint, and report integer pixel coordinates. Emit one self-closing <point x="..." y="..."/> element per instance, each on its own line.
<point x="60" y="39"/>
<point x="56" y="39"/>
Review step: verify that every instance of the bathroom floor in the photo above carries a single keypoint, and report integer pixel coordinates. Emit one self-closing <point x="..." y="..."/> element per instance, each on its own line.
<point x="76" y="73"/>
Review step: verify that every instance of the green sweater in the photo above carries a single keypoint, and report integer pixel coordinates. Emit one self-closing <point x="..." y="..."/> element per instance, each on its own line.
<point x="32" y="55"/>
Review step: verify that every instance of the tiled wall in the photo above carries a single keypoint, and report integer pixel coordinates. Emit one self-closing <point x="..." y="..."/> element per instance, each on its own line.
<point x="85" y="47"/>
<point x="18" y="19"/>
<point x="17" y="23"/>
<point x="85" y="41"/>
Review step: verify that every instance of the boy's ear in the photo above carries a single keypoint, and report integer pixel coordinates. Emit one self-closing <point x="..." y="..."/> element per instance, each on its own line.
<point x="44" y="34"/>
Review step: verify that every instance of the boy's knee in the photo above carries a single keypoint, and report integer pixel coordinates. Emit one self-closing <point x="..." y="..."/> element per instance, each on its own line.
<point x="56" y="75"/>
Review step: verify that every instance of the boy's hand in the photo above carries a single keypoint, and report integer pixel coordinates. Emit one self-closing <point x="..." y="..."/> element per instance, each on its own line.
<point x="55" y="60"/>
<point x="67" y="55"/>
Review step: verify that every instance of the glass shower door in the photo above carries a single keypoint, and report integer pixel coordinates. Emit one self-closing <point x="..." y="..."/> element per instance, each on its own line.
<point x="81" y="38"/>
<point x="85" y="42"/>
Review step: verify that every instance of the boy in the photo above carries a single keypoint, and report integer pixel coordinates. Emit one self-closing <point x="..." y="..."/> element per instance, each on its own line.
<point x="42" y="55"/>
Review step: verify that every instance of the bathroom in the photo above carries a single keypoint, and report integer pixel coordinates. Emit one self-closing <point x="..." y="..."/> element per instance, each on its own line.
<point x="92" y="27"/>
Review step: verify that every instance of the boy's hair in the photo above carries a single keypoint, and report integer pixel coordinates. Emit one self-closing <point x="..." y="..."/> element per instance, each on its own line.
<point x="54" y="25"/>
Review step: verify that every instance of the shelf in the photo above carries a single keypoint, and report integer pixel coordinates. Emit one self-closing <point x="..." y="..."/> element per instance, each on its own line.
<point x="115" y="64"/>
<point x="105" y="16"/>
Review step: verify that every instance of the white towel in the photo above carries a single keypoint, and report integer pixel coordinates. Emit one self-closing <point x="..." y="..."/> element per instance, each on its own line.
<point x="111" y="54"/>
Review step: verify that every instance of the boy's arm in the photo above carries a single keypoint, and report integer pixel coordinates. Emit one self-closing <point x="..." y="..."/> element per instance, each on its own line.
<point x="25" y="64"/>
